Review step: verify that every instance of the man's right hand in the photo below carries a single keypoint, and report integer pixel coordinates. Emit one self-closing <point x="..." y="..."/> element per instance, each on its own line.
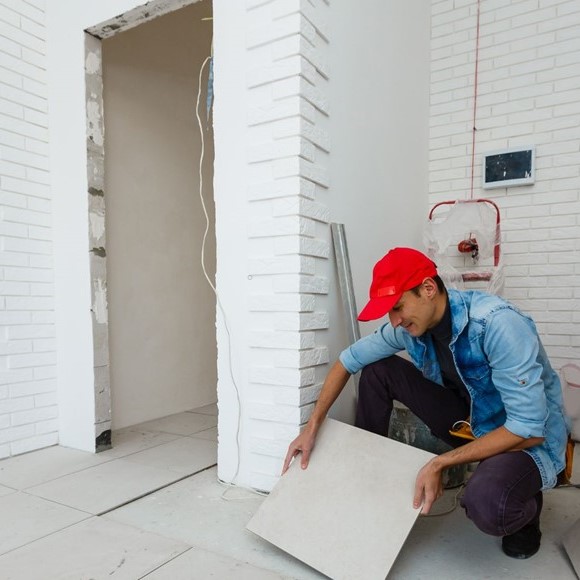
<point x="335" y="380"/>
<point x="303" y="444"/>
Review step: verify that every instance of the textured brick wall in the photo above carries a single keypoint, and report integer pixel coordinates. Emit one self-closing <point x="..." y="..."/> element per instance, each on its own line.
<point x="28" y="407"/>
<point x="288" y="152"/>
<point x="529" y="94"/>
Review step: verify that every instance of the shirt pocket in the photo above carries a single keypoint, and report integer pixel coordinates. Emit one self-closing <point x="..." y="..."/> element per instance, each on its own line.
<point x="477" y="372"/>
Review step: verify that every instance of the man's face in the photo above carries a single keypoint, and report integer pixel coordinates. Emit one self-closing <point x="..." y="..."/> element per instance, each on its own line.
<point x="415" y="313"/>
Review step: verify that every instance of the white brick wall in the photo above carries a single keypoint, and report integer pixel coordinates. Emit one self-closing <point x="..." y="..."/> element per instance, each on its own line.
<point x="288" y="159"/>
<point x="529" y="94"/>
<point x="28" y="407"/>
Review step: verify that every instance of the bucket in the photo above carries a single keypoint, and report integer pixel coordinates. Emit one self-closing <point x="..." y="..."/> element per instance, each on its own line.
<point x="406" y="427"/>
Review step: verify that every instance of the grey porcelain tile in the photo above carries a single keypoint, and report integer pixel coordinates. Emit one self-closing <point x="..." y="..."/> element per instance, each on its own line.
<point x="571" y="544"/>
<point x="26" y="518"/>
<point x="128" y="441"/>
<point x="106" y="486"/>
<point x="45" y="465"/>
<point x="349" y="514"/>
<point x="6" y="490"/>
<point x="203" y="513"/>
<point x="179" y="424"/>
<point x="450" y="547"/>
<point x="92" y="550"/>
<point x="209" y="434"/>
<point x="203" y="565"/>
<point x="184" y="456"/>
<point x="206" y="409"/>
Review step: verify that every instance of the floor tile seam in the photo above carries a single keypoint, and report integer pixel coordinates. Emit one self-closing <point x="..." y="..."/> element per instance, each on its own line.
<point x="89" y="516"/>
<point x="200" y="413"/>
<point x="28" y="488"/>
<point x="167" y="562"/>
<point x="9" y="487"/>
<point x="173" y="471"/>
<point x="179" y="434"/>
<point x="197" y="435"/>
<point x="177" y="437"/>
<point x="103" y="462"/>
<point x="141" y="496"/>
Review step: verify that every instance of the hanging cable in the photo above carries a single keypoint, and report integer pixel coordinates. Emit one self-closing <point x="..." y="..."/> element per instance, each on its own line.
<point x="474" y="128"/>
<point x="208" y="279"/>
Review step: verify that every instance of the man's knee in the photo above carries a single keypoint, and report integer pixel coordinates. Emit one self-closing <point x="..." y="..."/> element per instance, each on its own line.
<point x="482" y="507"/>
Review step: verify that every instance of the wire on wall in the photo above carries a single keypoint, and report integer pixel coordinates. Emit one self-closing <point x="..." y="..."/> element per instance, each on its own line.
<point x="203" y="266"/>
<point x="474" y="128"/>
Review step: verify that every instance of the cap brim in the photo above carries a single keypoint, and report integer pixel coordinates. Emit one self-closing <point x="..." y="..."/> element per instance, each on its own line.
<point x="378" y="307"/>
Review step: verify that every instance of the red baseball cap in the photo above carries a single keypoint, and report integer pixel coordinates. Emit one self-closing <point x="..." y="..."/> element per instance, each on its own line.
<point x="400" y="270"/>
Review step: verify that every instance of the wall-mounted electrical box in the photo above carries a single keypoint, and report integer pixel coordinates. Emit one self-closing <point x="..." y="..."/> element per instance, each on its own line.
<point x="509" y="167"/>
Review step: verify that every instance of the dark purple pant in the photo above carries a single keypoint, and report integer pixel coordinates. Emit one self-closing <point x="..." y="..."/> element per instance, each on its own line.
<point x="503" y="494"/>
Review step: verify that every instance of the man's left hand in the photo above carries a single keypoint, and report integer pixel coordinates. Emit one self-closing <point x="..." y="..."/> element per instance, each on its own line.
<point x="428" y="487"/>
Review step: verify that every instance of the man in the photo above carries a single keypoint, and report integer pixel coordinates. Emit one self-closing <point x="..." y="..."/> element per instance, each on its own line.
<point x="476" y="360"/>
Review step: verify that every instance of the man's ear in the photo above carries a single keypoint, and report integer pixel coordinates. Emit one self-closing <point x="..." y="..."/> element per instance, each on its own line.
<point x="430" y="287"/>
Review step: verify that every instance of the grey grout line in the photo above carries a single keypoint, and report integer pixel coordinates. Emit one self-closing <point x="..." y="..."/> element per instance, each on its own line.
<point x="164" y="563"/>
<point x="155" y="490"/>
<point x="89" y="516"/>
<point x="103" y="462"/>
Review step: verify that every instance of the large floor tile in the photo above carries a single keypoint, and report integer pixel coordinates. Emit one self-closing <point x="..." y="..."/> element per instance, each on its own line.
<point x="204" y="565"/>
<point x="106" y="486"/>
<point x="92" y="550"/>
<point x="206" y="410"/>
<point x="349" y="514"/>
<point x="45" y="465"/>
<point x="209" y="434"/>
<point x="195" y="512"/>
<point x="185" y="456"/>
<point x="26" y="518"/>
<point x="571" y="542"/>
<point x="179" y="424"/>
<point x="130" y="440"/>
<point x="450" y="547"/>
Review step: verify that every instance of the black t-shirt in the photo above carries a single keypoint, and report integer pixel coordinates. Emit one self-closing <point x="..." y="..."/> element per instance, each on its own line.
<point x="441" y="335"/>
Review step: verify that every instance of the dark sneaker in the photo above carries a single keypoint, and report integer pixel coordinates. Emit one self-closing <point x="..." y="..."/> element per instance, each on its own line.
<point x="525" y="542"/>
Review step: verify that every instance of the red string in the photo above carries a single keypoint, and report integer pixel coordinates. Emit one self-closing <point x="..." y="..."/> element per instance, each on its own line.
<point x="475" y="100"/>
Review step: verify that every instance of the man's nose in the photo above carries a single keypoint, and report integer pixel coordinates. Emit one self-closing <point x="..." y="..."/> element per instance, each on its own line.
<point x="395" y="319"/>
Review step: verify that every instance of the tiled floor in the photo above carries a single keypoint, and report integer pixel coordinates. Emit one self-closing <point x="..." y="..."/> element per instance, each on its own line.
<point x="152" y="508"/>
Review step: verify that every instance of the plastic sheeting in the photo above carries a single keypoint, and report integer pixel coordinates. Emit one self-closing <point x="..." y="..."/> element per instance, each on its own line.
<point x="459" y="222"/>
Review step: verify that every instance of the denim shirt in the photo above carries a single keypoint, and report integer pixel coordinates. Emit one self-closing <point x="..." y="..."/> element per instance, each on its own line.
<point x="500" y="359"/>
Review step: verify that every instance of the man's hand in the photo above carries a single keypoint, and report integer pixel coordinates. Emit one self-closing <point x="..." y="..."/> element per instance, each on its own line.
<point x="428" y="486"/>
<point x="304" y="444"/>
<point x="335" y="380"/>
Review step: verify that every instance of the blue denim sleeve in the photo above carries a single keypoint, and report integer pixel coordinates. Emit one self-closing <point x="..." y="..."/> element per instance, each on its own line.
<point x="511" y="344"/>
<point x="384" y="342"/>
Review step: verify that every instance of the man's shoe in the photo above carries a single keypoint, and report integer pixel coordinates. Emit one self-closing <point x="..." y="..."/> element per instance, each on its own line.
<point x="525" y="542"/>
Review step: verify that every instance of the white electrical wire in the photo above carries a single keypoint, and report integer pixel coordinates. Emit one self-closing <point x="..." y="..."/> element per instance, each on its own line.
<point x="213" y="287"/>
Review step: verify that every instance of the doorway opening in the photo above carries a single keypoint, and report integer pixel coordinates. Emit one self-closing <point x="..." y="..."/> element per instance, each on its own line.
<point x="157" y="350"/>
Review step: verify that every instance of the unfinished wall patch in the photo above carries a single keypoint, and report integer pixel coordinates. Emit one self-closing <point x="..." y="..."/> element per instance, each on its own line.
<point x="97" y="236"/>
<point x="97" y="224"/>
<point x="137" y="16"/>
